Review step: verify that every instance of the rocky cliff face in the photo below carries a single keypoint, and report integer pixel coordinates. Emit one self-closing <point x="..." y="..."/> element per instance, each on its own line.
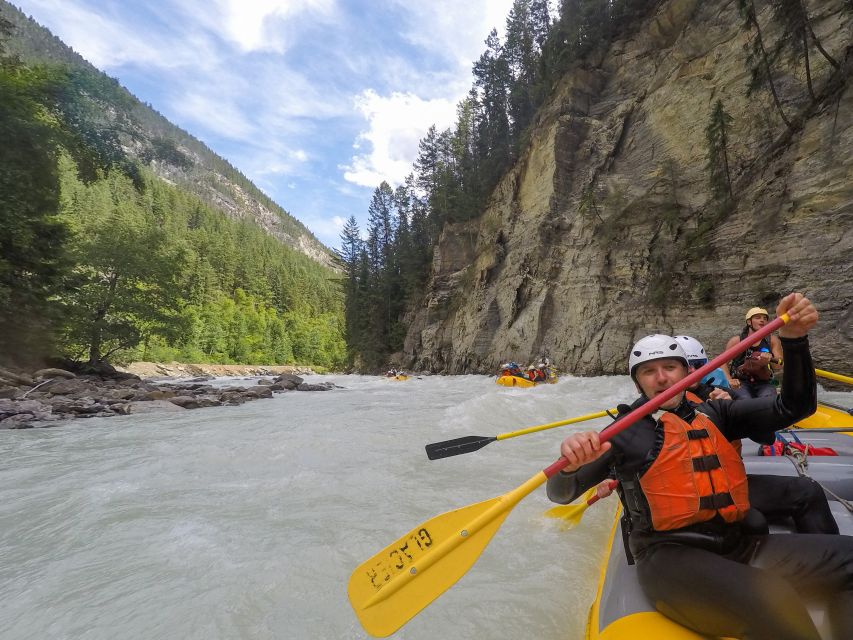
<point x="605" y="229"/>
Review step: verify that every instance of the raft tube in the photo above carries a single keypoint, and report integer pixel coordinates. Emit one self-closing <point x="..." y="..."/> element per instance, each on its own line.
<point x="621" y="610"/>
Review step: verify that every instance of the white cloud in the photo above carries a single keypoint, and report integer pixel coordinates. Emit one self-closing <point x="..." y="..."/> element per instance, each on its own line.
<point x="396" y="125"/>
<point x="250" y="23"/>
<point x="325" y="227"/>
<point x="450" y="29"/>
<point x="459" y="29"/>
<point x="110" y="43"/>
<point x="215" y="113"/>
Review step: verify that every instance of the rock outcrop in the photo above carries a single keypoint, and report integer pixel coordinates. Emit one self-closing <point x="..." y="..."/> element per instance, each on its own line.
<point x="51" y="396"/>
<point x="605" y="229"/>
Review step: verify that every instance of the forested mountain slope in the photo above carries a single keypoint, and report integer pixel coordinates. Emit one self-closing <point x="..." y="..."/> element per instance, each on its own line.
<point x="698" y="165"/>
<point x="103" y="256"/>
<point x="146" y="136"/>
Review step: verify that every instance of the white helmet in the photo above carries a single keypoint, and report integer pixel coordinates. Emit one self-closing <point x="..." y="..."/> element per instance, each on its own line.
<point x="693" y="349"/>
<point x="654" y="347"/>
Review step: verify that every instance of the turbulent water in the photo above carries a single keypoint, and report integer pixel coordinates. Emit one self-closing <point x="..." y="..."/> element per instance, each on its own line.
<point x="246" y="522"/>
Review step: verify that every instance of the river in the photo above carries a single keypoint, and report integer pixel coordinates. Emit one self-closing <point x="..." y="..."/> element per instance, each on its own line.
<point x="246" y="522"/>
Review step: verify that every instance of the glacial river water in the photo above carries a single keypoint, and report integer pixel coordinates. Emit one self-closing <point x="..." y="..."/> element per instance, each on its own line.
<point x="246" y="522"/>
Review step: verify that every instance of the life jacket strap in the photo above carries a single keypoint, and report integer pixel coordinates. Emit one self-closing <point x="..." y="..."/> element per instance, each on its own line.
<point x="716" y="501"/>
<point x="697" y="434"/>
<point x="706" y="463"/>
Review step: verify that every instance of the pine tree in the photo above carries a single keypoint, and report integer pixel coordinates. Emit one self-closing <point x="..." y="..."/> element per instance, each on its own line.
<point x="427" y="175"/>
<point x="522" y="58"/>
<point x="464" y="149"/>
<point x="719" y="176"/>
<point x="350" y="253"/>
<point x="793" y="17"/>
<point x="758" y="59"/>
<point x="492" y="77"/>
<point x="350" y="247"/>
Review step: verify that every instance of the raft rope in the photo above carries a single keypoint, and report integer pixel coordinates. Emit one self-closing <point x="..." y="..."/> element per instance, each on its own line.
<point x="801" y="463"/>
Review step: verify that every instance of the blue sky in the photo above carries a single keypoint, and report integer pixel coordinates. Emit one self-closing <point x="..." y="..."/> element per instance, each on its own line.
<point x="316" y="101"/>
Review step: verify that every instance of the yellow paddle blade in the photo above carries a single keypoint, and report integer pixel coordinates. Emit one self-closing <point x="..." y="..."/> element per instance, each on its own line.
<point x="390" y="588"/>
<point x="394" y="585"/>
<point x="571" y="514"/>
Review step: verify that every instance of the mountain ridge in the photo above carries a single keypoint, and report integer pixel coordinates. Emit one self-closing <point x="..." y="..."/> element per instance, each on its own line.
<point x="172" y="153"/>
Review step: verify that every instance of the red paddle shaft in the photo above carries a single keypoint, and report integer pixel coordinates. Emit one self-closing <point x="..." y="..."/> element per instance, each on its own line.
<point x="611" y="484"/>
<point x="655" y="403"/>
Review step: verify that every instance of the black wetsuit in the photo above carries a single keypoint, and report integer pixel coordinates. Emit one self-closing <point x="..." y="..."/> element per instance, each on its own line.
<point x="784" y="498"/>
<point x="705" y="575"/>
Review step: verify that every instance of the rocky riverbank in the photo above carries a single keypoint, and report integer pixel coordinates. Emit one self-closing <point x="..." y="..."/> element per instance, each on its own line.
<point x="181" y="370"/>
<point x="45" y="397"/>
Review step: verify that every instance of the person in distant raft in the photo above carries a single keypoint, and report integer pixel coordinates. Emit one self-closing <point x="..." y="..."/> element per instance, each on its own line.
<point x="535" y="374"/>
<point x="752" y="371"/>
<point x="701" y="557"/>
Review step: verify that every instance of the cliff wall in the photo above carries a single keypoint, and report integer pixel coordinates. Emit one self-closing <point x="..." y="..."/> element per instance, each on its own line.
<point x="605" y="229"/>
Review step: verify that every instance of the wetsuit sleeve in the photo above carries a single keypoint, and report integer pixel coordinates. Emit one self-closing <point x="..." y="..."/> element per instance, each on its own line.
<point x="563" y="488"/>
<point x="760" y="418"/>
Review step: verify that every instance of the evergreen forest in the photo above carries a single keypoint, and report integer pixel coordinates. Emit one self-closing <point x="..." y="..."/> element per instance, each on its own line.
<point x="102" y="260"/>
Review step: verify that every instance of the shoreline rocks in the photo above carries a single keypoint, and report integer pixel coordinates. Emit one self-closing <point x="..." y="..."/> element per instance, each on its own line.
<point x="182" y="370"/>
<point x="49" y="396"/>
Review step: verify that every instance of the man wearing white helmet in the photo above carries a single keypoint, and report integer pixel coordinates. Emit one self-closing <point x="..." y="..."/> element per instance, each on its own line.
<point x="702" y="557"/>
<point x="752" y="371"/>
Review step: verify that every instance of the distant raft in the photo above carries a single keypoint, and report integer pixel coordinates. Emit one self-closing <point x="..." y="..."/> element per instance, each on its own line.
<point x="506" y="380"/>
<point x="514" y="381"/>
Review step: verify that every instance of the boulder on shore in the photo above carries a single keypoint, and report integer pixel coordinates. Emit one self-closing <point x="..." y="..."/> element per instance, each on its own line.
<point x="79" y="390"/>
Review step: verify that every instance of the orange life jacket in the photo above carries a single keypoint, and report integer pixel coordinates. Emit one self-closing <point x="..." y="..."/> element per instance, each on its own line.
<point x="694" y="399"/>
<point x="696" y="475"/>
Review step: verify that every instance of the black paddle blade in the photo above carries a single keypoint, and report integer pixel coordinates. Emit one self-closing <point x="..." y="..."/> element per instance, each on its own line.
<point x="456" y="447"/>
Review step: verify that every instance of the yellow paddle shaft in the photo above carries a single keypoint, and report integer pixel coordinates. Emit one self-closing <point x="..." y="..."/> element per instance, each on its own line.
<point x="551" y="425"/>
<point x="831" y="376"/>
